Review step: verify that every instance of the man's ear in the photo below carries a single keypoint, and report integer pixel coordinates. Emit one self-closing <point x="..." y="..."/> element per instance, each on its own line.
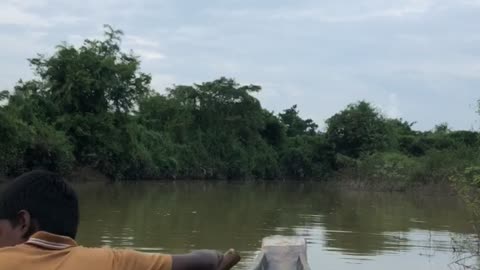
<point x="24" y="223"/>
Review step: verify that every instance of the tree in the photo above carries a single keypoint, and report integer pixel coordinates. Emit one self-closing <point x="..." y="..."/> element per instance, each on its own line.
<point x="225" y="127"/>
<point x="90" y="105"/>
<point x="306" y="157"/>
<point x="358" y="129"/>
<point x="90" y="94"/>
<point x="442" y="128"/>
<point x="95" y="78"/>
<point x="295" y="125"/>
<point x="274" y="130"/>
<point x="4" y="95"/>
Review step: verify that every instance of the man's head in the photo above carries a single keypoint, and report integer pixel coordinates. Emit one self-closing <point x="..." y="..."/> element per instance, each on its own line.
<point x="37" y="201"/>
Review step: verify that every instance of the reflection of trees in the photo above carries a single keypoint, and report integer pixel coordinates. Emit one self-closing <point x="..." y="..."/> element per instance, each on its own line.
<point x="190" y="215"/>
<point x="183" y="216"/>
<point x="360" y="223"/>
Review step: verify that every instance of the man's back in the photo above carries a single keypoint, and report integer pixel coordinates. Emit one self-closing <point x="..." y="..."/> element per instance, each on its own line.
<point x="44" y="251"/>
<point x="39" y="217"/>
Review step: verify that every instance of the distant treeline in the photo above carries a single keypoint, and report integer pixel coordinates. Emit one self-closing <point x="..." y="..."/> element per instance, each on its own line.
<point x="90" y="106"/>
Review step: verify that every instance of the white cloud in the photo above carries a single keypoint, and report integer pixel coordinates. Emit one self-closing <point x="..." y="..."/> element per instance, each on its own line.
<point x="38" y="34"/>
<point x="338" y="12"/>
<point x="27" y="44"/>
<point x="474" y="3"/>
<point x="66" y="19"/>
<point x="149" y="54"/>
<point x="147" y="49"/>
<point x="393" y="110"/>
<point x="398" y="10"/>
<point x="225" y="67"/>
<point x="14" y="15"/>
<point x="437" y="69"/>
<point x="141" y="41"/>
<point x="269" y="90"/>
<point x="25" y="4"/>
<point x="27" y="13"/>
<point x="75" y="39"/>
<point x="189" y="33"/>
<point x="162" y="81"/>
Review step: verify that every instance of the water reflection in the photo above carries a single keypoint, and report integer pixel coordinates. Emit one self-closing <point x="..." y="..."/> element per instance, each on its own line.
<point x="343" y="229"/>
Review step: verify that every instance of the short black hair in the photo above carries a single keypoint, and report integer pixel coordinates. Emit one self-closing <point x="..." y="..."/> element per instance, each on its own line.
<point x="50" y="200"/>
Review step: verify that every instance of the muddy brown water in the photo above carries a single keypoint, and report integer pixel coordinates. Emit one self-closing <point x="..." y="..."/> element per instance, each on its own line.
<point x="344" y="229"/>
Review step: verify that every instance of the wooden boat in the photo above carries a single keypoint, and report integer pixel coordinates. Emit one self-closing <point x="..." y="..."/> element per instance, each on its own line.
<point x="282" y="253"/>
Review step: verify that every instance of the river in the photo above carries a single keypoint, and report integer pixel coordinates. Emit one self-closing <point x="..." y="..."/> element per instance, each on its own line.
<point x="344" y="229"/>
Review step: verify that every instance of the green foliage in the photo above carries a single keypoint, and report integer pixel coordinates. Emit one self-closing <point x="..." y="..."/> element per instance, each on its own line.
<point x="92" y="106"/>
<point x="357" y="130"/>
<point x="4" y="95"/>
<point x="471" y="176"/>
<point x="389" y="166"/>
<point x="273" y="131"/>
<point x="295" y="125"/>
<point x="94" y="78"/>
<point x="49" y="148"/>
<point x="24" y="147"/>
<point x="441" y="165"/>
<point x="15" y="139"/>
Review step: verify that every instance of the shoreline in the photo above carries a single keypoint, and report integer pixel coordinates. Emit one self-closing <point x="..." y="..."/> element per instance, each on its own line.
<point x="445" y="188"/>
<point x="337" y="181"/>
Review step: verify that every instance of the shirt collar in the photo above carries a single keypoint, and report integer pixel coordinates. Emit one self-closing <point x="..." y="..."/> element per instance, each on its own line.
<point x="47" y="240"/>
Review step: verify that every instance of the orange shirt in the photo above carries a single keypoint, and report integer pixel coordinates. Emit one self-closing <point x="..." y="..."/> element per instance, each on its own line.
<point x="45" y="251"/>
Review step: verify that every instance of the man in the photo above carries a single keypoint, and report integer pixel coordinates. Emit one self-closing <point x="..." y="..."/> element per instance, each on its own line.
<point x="38" y="223"/>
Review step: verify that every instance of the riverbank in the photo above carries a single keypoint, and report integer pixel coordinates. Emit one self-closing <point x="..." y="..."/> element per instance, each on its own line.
<point x="340" y="181"/>
<point x="87" y="174"/>
<point x="390" y="186"/>
<point x="78" y="174"/>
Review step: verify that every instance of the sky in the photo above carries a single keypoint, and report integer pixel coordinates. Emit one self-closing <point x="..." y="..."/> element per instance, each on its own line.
<point x="418" y="60"/>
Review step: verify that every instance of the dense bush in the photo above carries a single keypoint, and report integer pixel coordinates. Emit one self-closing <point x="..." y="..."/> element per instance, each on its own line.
<point x="389" y="166"/>
<point x="92" y="106"/>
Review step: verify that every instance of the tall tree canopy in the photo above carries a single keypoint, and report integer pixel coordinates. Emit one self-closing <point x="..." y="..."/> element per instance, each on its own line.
<point x="358" y="129"/>
<point x="91" y="105"/>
